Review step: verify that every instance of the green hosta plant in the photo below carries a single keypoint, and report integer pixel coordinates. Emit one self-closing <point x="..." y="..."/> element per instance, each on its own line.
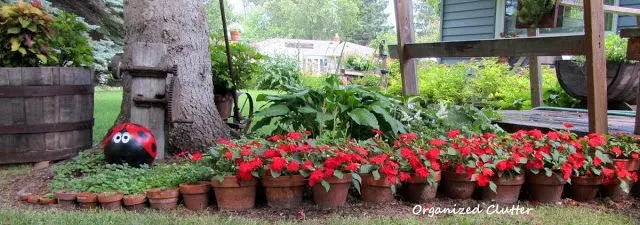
<point x="347" y="111"/>
<point x="25" y="35"/>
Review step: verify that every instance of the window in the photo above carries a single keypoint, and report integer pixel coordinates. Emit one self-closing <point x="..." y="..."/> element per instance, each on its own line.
<point x="572" y="20"/>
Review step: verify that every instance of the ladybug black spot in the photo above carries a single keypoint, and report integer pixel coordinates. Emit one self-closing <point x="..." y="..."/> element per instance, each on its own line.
<point x="153" y="147"/>
<point x="142" y="135"/>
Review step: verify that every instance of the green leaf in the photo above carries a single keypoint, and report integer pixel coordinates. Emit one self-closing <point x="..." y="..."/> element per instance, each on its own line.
<point x="275" y="110"/>
<point x="15" y="44"/>
<point x="275" y="174"/>
<point x="493" y="187"/>
<point x="624" y="186"/>
<point x="364" y="117"/>
<point x="13" y="30"/>
<point x="356" y="184"/>
<point x="356" y="177"/>
<point x="325" y="184"/>
<point x="366" y="168"/>
<point x="255" y="174"/>
<point x="376" y="175"/>
<point x="41" y="57"/>
<point x="451" y="151"/>
<point x="338" y="174"/>
<point x="548" y="172"/>
<point x="306" y="109"/>
<point x="23" y="22"/>
<point x="219" y="177"/>
<point x="24" y="52"/>
<point x="393" y="189"/>
<point x="304" y="173"/>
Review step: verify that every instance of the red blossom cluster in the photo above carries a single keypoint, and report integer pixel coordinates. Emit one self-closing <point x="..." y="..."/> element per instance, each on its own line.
<point x="238" y="158"/>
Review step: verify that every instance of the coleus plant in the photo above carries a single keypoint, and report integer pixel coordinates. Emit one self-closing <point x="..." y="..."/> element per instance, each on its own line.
<point x="25" y="35"/>
<point x="238" y="158"/>
<point x="334" y="159"/>
<point x="497" y="159"/>
<point x="283" y="154"/>
<point x="624" y="146"/>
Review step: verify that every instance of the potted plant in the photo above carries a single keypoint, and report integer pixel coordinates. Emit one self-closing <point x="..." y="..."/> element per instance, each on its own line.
<point x="501" y="169"/>
<point x="87" y="200"/>
<point x="548" y="167"/>
<point x="110" y="200"/>
<point x="65" y="198"/>
<point x="625" y="148"/>
<point x="588" y="161"/>
<point x="459" y="163"/>
<point x="282" y="179"/>
<point x="379" y="173"/>
<point x="47" y="199"/>
<point x="617" y="181"/>
<point x="419" y="168"/>
<point x="235" y="29"/>
<point x="196" y="183"/>
<point x="33" y="198"/>
<point x="245" y="66"/>
<point x="163" y="198"/>
<point x="164" y="193"/>
<point x="236" y="165"/>
<point x="135" y="201"/>
<point x="538" y="14"/>
<point x="621" y="73"/>
<point x="334" y="168"/>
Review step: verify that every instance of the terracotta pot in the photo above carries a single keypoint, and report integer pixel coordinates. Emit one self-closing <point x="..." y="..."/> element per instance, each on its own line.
<point x="47" y="201"/>
<point x="630" y="164"/>
<point x="224" y="104"/>
<point x="23" y="196"/>
<point x="614" y="191"/>
<point x="233" y="194"/>
<point x="66" y="199"/>
<point x="375" y="191"/>
<point x="235" y="36"/>
<point x="337" y="194"/>
<point x="545" y="189"/>
<point x="584" y="189"/>
<point x="196" y="195"/>
<point x="418" y="190"/>
<point x="87" y="200"/>
<point x="110" y="201"/>
<point x="507" y="191"/>
<point x="33" y="199"/>
<point x="163" y="199"/>
<point x="135" y="202"/>
<point x="284" y="192"/>
<point x="457" y="185"/>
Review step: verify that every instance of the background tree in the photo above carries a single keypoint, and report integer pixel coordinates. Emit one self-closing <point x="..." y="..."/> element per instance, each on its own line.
<point x="183" y="30"/>
<point x="373" y="21"/>
<point x="427" y="20"/>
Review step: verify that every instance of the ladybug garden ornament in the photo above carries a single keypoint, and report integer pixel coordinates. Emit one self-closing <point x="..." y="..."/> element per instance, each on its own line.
<point x="130" y="143"/>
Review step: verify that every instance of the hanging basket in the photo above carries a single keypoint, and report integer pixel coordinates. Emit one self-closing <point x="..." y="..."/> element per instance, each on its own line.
<point x="551" y="19"/>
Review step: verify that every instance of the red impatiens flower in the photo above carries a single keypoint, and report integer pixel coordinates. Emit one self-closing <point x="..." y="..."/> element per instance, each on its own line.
<point x="245" y="151"/>
<point x="293" y="166"/>
<point x="315" y="177"/>
<point x="352" y="167"/>
<point x="607" y="172"/>
<point x="459" y="169"/>
<point x="568" y="125"/>
<point x="422" y="172"/>
<point x="502" y="166"/>
<point x="482" y="180"/>
<point x="224" y="141"/>
<point x="406" y="152"/>
<point x="553" y="136"/>
<point x="377" y="132"/>
<point x="404" y="176"/>
<point x="294" y="135"/>
<point x="275" y="138"/>
<point x="635" y="155"/>
<point x="433" y="154"/>
<point x="566" y="170"/>
<point x="307" y="165"/>
<point x="597" y="161"/>
<point x="437" y="142"/>
<point x="228" y="155"/>
<point x="487" y="172"/>
<point x="277" y="164"/>
<point x="453" y="133"/>
<point x="196" y="156"/>
<point x="407" y="137"/>
<point x="616" y="151"/>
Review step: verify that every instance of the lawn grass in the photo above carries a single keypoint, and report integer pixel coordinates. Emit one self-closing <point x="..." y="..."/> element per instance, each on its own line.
<point x="540" y="215"/>
<point x="107" y="107"/>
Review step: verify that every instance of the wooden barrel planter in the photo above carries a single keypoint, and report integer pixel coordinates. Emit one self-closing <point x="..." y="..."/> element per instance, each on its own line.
<point x="622" y="80"/>
<point x="46" y="113"/>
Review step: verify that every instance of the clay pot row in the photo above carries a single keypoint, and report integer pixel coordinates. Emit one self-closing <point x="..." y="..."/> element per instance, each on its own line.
<point x="287" y="191"/>
<point x="36" y="199"/>
<point x="540" y="188"/>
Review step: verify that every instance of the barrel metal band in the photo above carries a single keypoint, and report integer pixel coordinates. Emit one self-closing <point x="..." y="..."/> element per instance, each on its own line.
<point x="45" y="128"/>
<point x="44" y="91"/>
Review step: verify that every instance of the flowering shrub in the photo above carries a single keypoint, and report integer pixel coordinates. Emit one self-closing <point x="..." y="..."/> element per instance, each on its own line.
<point x="624" y="146"/>
<point x="238" y="158"/>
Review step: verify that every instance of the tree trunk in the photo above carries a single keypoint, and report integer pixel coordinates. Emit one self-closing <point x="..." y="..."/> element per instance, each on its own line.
<point x="180" y="24"/>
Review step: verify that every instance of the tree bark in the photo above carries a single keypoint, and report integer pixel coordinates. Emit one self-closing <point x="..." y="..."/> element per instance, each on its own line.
<point x="180" y="24"/>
